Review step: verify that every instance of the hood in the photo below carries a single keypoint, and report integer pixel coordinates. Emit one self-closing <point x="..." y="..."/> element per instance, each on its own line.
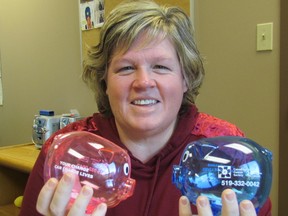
<point x="164" y="157"/>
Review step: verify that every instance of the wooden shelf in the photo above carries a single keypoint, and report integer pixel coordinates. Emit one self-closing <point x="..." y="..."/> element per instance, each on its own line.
<point x="16" y="162"/>
<point x="20" y="157"/>
<point x="9" y="210"/>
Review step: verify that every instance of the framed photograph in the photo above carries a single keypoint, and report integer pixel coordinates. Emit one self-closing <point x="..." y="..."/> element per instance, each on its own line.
<point x="91" y="14"/>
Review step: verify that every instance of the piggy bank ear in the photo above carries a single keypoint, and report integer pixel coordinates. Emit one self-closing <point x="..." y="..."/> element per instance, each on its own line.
<point x="108" y="155"/>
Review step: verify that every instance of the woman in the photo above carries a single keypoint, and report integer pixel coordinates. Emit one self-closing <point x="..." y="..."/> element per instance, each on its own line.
<point x="146" y="73"/>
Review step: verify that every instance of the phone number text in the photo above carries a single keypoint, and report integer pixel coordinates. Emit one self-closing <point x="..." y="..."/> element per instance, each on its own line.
<point x="240" y="183"/>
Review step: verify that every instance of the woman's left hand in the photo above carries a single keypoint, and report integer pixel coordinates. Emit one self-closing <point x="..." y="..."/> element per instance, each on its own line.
<point x="229" y="206"/>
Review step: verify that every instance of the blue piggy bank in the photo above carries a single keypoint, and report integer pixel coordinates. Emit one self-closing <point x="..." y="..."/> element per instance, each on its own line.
<point x="210" y="165"/>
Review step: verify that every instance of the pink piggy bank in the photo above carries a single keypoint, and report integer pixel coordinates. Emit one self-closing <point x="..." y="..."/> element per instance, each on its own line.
<point x="97" y="162"/>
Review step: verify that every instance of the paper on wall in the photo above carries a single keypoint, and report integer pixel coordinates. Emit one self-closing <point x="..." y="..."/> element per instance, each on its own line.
<point x="1" y="92"/>
<point x="1" y="87"/>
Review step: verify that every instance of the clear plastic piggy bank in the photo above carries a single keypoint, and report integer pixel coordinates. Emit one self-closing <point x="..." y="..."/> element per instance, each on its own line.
<point x="208" y="166"/>
<point x="96" y="162"/>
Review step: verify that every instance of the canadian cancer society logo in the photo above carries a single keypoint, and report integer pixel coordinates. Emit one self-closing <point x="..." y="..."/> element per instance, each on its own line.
<point x="224" y="172"/>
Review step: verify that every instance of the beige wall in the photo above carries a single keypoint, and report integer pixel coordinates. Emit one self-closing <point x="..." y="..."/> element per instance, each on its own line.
<point x="242" y="85"/>
<point x="283" y="148"/>
<point x="40" y="50"/>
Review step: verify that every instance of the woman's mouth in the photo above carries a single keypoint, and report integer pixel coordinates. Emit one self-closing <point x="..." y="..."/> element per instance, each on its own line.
<point x="145" y="102"/>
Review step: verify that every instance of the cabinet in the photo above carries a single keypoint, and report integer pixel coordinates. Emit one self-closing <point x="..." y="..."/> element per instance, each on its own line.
<point x="16" y="162"/>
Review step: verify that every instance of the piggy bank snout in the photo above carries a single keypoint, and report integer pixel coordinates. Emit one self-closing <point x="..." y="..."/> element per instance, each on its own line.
<point x="177" y="177"/>
<point x="177" y="169"/>
<point x="127" y="189"/>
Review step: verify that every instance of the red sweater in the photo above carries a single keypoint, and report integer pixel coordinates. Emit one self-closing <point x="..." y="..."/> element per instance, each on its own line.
<point x="154" y="194"/>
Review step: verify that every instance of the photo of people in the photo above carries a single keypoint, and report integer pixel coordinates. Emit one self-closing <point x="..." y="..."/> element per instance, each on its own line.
<point x="91" y="14"/>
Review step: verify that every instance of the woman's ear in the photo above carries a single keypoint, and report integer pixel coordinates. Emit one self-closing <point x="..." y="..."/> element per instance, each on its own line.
<point x="184" y="85"/>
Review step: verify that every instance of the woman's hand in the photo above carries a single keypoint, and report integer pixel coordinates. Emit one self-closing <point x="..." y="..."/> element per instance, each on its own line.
<point x="54" y="197"/>
<point x="229" y="206"/>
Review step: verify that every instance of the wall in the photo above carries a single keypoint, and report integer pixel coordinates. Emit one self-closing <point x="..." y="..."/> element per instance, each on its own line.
<point x="40" y="45"/>
<point x="242" y="85"/>
<point x="40" y="50"/>
<point x="283" y="148"/>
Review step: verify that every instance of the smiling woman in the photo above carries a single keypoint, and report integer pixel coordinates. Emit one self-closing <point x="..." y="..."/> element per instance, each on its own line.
<point x="153" y="26"/>
<point x="146" y="73"/>
<point x="152" y="88"/>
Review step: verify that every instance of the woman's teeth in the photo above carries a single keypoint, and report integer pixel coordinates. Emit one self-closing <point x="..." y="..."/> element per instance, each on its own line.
<point x="144" y="102"/>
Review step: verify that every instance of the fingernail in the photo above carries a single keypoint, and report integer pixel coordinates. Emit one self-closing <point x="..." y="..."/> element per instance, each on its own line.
<point x="52" y="183"/>
<point x="230" y="196"/>
<point x="86" y="191"/>
<point x="246" y="205"/>
<point x="68" y="177"/>
<point x="184" y="200"/>
<point x="102" y="207"/>
<point x="203" y="201"/>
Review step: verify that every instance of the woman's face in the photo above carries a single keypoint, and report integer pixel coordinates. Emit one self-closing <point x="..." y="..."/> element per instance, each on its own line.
<point x="145" y="87"/>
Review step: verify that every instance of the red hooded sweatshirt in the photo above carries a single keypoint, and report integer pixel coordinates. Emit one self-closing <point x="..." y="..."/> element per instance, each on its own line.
<point x="154" y="194"/>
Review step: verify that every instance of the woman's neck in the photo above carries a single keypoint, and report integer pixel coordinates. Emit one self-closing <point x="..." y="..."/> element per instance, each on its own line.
<point x="145" y="145"/>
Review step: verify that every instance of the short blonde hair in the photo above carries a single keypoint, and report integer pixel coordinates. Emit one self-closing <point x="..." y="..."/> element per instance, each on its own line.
<point x="127" y="21"/>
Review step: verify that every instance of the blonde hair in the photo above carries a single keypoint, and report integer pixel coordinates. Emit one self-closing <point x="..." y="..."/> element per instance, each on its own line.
<point x="127" y="21"/>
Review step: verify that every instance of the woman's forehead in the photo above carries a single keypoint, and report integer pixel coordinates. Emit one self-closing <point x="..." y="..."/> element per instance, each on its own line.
<point x="143" y="40"/>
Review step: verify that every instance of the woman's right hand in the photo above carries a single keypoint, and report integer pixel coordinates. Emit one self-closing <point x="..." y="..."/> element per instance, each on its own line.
<point x="54" y="197"/>
<point x="229" y="206"/>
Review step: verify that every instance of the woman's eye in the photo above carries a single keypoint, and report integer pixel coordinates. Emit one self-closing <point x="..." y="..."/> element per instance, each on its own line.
<point x="160" y="67"/>
<point x="125" y="70"/>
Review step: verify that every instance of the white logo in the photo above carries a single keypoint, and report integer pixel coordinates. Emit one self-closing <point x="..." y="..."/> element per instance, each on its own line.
<point x="224" y="172"/>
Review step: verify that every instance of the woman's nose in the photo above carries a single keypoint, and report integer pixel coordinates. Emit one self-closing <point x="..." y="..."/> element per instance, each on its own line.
<point x="143" y="80"/>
